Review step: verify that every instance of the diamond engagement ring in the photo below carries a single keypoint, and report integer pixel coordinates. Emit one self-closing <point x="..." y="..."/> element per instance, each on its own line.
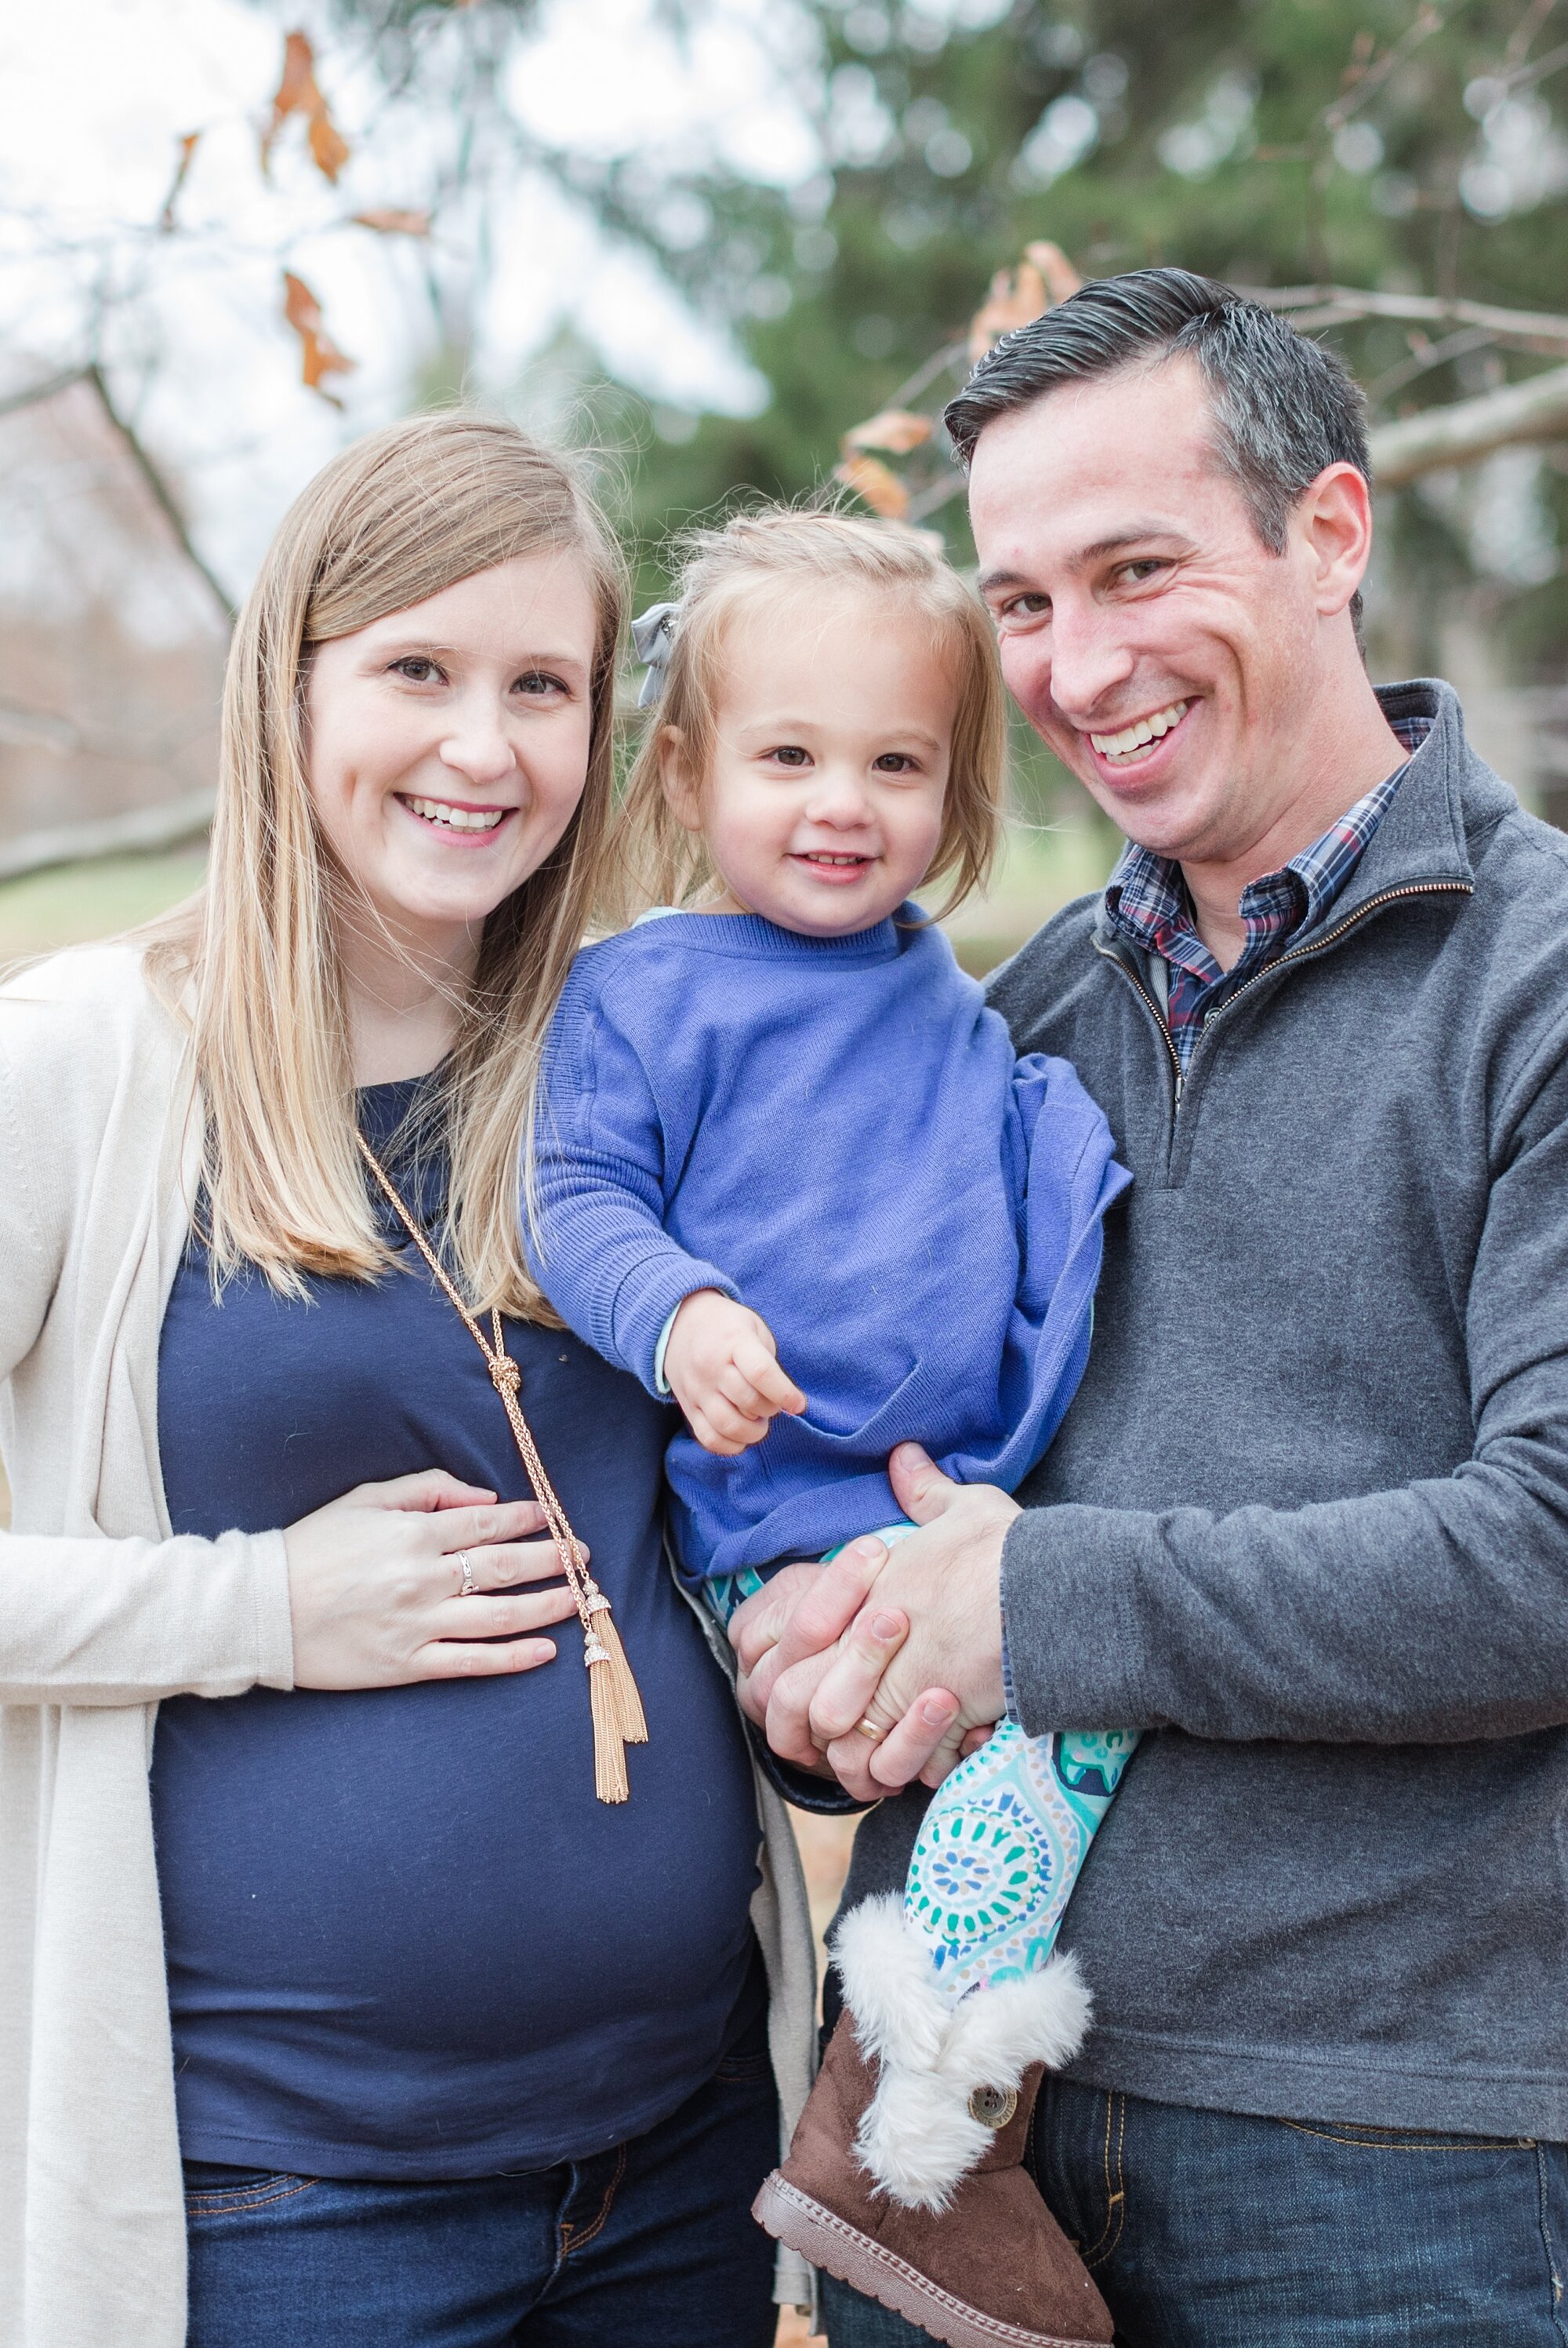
<point x="469" y="1584"/>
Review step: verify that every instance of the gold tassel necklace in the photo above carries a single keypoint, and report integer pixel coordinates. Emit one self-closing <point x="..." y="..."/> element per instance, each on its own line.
<point x="613" y="1700"/>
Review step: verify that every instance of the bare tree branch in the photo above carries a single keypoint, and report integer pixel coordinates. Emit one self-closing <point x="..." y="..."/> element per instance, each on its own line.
<point x="37" y="729"/>
<point x="1424" y="357"/>
<point x="63" y="738"/>
<point x="1430" y="18"/>
<point x="162" y="496"/>
<point x="1311" y="307"/>
<point x="1471" y="428"/>
<point x="143" y="831"/>
<point x="37" y="392"/>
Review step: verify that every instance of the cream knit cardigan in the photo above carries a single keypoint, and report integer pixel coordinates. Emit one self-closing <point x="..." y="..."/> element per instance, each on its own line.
<point x="102" y="1612"/>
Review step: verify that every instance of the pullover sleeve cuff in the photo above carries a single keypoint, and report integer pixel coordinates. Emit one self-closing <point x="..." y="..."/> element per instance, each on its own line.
<point x="822" y="1797"/>
<point x="1071" y="1647"/>
<point x="646" y="1304"/>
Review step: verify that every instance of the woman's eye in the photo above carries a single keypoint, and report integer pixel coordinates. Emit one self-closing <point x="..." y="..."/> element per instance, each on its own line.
<point x="537" y="684"/>
<point x="417" y="667"/>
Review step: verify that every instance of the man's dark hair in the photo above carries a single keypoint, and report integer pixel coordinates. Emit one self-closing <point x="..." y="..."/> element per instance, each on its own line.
<point x="1284" y="407"/>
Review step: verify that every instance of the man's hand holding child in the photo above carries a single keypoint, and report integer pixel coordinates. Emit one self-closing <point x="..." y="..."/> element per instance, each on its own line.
<point x="723" y="1366"/>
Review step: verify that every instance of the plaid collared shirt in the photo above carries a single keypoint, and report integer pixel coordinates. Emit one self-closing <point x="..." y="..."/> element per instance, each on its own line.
<point x="1146" y="900"/>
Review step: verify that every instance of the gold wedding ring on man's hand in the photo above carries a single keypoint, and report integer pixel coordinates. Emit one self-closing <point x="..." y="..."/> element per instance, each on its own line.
<point x="871" y="1728"/>
<point x="469" y="1584"/>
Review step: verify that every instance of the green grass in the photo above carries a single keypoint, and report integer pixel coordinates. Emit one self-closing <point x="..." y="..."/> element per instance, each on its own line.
<point x="78" y="903"/>
<point x="1039" y="870"/>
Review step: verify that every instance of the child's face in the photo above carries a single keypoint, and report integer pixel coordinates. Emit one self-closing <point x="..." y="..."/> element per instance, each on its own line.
<point x="835" y="736"/>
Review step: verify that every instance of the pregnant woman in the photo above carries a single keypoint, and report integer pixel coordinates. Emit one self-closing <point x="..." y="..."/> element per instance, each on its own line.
<point x="309" y="1879"/>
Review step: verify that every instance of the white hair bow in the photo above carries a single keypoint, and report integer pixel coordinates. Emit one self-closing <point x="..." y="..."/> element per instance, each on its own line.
<point x="653" y="637"/>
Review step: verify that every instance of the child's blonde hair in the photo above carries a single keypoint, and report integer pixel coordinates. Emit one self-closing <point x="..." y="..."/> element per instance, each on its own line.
<point x="788" y="546"/>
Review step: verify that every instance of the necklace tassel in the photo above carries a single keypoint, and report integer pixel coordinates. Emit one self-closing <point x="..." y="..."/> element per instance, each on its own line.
<point x="610" y="1782"/>
<point x="629" y="1715"/>
<point x="615" y="1706"/>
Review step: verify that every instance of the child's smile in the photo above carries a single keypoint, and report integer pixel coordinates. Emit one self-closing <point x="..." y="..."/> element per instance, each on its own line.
<point x="835" y="869"/>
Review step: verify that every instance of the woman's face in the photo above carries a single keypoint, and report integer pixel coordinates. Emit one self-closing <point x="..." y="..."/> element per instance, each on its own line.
<point x="448" y="743"/>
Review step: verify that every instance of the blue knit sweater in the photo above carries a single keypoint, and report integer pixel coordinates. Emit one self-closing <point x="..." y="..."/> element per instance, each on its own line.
<point x="835" y="1130"/>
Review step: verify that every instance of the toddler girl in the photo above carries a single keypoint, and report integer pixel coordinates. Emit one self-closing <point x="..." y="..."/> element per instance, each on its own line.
<point x="784" y="1164"/>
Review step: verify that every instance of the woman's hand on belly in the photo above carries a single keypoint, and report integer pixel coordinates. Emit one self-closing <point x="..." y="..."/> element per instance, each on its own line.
<point x="376" y="1585"/>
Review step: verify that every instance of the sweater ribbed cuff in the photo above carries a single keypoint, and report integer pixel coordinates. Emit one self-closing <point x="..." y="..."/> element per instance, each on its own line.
<point x="1071" y="1647"/>
<point x="646" y="1301"/>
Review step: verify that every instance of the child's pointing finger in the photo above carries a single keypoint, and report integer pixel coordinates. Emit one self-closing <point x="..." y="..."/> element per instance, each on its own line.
<point x="775" y="1387"/>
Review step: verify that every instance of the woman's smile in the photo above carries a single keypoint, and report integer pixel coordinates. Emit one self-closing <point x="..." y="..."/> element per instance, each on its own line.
<point x="464" y="823"/>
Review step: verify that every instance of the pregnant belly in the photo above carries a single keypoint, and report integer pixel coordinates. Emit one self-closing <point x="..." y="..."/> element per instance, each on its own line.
<point x="399" y="1916"/>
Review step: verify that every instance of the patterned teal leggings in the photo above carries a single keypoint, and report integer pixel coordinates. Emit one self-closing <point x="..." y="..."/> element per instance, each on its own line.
<point x="1004" y="1840"/>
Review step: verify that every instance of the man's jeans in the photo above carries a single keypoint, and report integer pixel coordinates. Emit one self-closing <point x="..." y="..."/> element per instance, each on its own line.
<point x="1208" y="2230"/>
<point x="649" y="2246"/>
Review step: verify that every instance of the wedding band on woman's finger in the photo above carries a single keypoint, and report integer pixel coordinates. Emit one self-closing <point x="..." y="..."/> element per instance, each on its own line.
<point x="469" y="1584"/>
<point x="871" y="1728"/>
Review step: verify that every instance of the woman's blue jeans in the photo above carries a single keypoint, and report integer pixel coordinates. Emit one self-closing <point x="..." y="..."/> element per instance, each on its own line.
<point x="1210" y="2229"/>
<point x="649" y="2246"/>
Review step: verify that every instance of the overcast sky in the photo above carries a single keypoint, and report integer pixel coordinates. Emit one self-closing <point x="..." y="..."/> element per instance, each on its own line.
<point x="94" y="97"/>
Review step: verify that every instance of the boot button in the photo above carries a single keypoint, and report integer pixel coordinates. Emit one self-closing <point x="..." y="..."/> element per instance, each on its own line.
<point x="993" y="2106"/>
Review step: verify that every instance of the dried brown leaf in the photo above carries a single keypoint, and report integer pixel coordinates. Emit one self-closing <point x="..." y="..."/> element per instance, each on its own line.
<point x="320" y="353"/>
<point x="877" y="484"/>
<point x="328" y="145"/>
<point x="390" y="222"/>
<point x="1016" y="296"/>
<point x="296" y="92"/>
<point x="188" y="146"/>
<point x="897" y="430"/>
<point x="299" y="92"/>
<point x="1060" y="277"/>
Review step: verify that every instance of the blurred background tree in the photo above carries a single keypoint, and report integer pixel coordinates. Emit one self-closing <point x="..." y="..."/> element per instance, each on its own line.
<point x="1274" y="143"/>
<point x="819" y="230"/>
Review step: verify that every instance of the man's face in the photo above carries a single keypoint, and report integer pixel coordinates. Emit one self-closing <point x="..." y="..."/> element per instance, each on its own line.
<point x="1167" y="656"/>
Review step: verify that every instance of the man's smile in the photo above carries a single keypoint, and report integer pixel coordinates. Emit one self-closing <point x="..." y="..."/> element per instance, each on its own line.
<point x="1134" y="740"/>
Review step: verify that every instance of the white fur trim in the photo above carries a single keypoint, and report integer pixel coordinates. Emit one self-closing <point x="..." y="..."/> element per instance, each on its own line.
<point x="917" y="2137"/>
<point x="900" y="2015"/>
<point x="996" y="2034"/>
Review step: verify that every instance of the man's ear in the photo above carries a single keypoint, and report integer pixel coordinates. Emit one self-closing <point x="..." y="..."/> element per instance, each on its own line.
<point x="1333" y="519"/>
<point x="679" y="783"/>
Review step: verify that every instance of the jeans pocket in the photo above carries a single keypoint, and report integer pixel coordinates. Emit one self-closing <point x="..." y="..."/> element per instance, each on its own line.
<point x="748" y="2059"/>
<point x="1356" y="2137"/>
<point x="741" y="2069"/>
<point x="213" y="2189"/>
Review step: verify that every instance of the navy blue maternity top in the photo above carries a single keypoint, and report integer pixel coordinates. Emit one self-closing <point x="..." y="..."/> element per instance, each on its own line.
<point x="404" y="1937"/>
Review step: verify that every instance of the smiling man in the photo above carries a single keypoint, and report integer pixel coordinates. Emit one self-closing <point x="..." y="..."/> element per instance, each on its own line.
<point x="1306" y="1524"/>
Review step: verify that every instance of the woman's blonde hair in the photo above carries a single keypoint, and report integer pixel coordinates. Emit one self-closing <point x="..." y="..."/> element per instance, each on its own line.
<point x="793" y="549"/>
<point x="253" y="962"/>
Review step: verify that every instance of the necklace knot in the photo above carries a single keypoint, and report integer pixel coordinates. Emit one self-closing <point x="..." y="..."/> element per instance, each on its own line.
<point x="505" y="1374"/>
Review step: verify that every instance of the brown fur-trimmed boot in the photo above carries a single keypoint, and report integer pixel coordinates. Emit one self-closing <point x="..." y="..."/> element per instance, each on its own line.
<point x="924" y="2203"/>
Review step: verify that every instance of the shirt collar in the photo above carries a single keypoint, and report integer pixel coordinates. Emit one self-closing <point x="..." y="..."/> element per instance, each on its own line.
<point x="1146" y="896"/>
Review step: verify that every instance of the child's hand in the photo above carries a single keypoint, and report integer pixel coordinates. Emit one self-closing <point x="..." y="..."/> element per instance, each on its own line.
<point x="724" y="1371"/>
